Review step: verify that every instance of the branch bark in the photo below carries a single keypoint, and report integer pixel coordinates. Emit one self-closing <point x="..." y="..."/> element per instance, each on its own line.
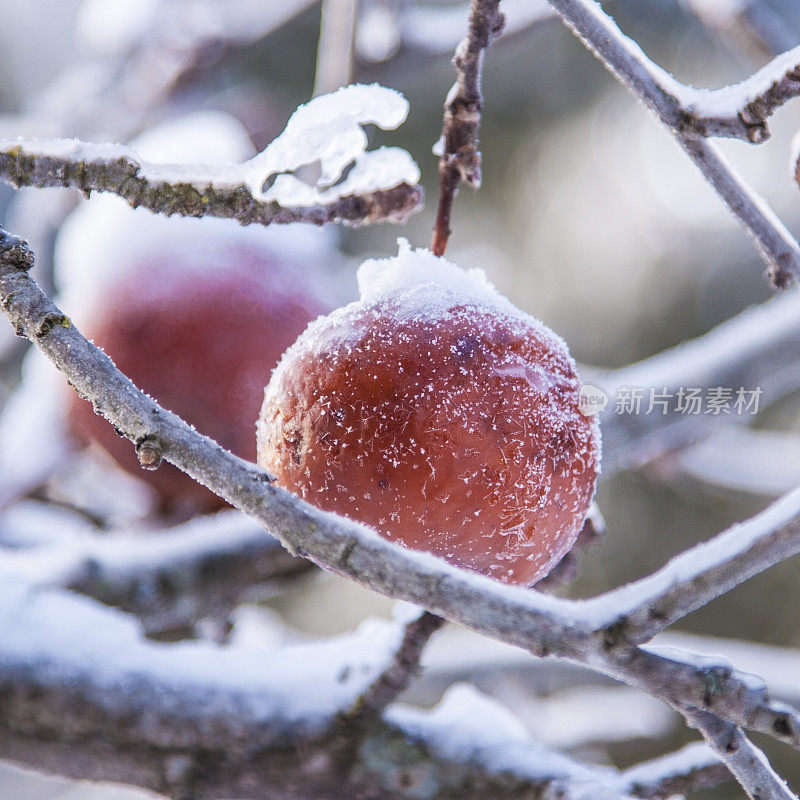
<point x="685" y="113"/>
<point x="460" y="160"/>
<point x="118" y="169"/>
<point x="742" y="757"/>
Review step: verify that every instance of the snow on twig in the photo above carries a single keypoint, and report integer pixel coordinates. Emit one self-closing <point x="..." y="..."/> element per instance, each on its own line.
<point x="195" y="718"/>
<point x="686" y="770"/>
<point x="381" y="184"/>
<point x="759" y="348"/>
<point x="692" y="114"/>
<point x="692" y="579"/>
<point x="749" y="764"/>
<point x="169" y="579"/>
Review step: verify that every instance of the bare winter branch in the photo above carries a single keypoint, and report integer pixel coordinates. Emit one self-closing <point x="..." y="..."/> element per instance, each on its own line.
<point x="460" y="160"/>
<point x="544" y="625"/>
<point x="690" y="114"/>
<point x="119" y="170"/>
<point x="742" y="757"/>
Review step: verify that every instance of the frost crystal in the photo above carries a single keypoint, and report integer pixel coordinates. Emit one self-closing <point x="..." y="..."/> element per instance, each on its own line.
<point x="328" y="130"/>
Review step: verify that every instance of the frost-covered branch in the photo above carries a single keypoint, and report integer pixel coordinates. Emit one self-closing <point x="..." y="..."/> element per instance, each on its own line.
<point x="117" y="169"/>
<point x="356" y="186"/>
<point x="742" y="757"/>
<point x="544" y="625"/>
<point x="459" y="159"/>
<point x="687" y="770"/>
<point x="759" y="348"/>
<point x="91" y="699"/>
<point x="170" y="579"/>
<point x="691" y="114"/>
<point x="698" y="575"/>
<point x="686" y="681"/>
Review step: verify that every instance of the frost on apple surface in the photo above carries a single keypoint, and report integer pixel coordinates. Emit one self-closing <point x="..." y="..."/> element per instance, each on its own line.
<point x="438" y="413"/>
<point x="328" y="130"/>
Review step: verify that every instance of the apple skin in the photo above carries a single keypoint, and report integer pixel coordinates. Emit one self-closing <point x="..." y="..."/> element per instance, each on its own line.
<point x="458" y="435"/>
<point x="202" y="340"/>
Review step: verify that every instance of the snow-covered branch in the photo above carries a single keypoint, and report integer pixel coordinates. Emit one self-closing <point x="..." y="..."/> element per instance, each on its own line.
<point x="698" y="575"/>
<point x="691" y="114"/>
<point x="118" y="170"/>
<point x="232" y="721"/>
<point x="544" y="625"/>
<point x="758" y="349"/>
<point x="686" y="770"/>
<point x="381" y="185"/>
<point x="170" y="580"/>
<point x="742" y="757"/>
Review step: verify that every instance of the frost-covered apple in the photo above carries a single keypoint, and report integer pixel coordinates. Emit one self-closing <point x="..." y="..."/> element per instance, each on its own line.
<point x="441" y="415"/>
<point x="199" y="341"/>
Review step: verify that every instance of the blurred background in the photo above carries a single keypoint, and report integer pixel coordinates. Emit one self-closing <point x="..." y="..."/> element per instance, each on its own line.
<point x="590" y="217"/>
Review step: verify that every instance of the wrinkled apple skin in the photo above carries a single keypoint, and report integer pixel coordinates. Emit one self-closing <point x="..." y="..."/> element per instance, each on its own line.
<point x="201" y="341"/>
<point x="460" y="435"/>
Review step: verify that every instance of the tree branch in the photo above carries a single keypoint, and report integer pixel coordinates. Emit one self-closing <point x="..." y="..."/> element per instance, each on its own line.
<point x="119" y="170"/>
<point x="742" y="757"/>
<point x="690" y="114"/>
<point x="460" y="160"/>
<point x="687" y="770"/>
<point x="759" y="348"/>
<point x="541" y="624"/>
<point x="169" y="579"/>
<point x="638" y="611"/>
<point x="196" y="719"/>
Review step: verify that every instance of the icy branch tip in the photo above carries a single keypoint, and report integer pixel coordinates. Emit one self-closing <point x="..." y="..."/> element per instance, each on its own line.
<point x="328" y="130"/>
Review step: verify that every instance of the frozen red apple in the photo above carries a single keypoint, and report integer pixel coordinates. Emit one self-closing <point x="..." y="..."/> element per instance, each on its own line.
<point x="438" y="413"/>
<point x="199" y="338"/>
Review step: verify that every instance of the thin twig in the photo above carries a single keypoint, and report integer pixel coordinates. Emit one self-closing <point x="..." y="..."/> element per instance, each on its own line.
<point x="335" y="47"/>
<point x="118" y="169"/>
<point x="391" y="683"/>
<point x="742" y="757"/>
<point x="687" y="770"/>
<point x="460" y="160"/>
<point x="682" y="110"/>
